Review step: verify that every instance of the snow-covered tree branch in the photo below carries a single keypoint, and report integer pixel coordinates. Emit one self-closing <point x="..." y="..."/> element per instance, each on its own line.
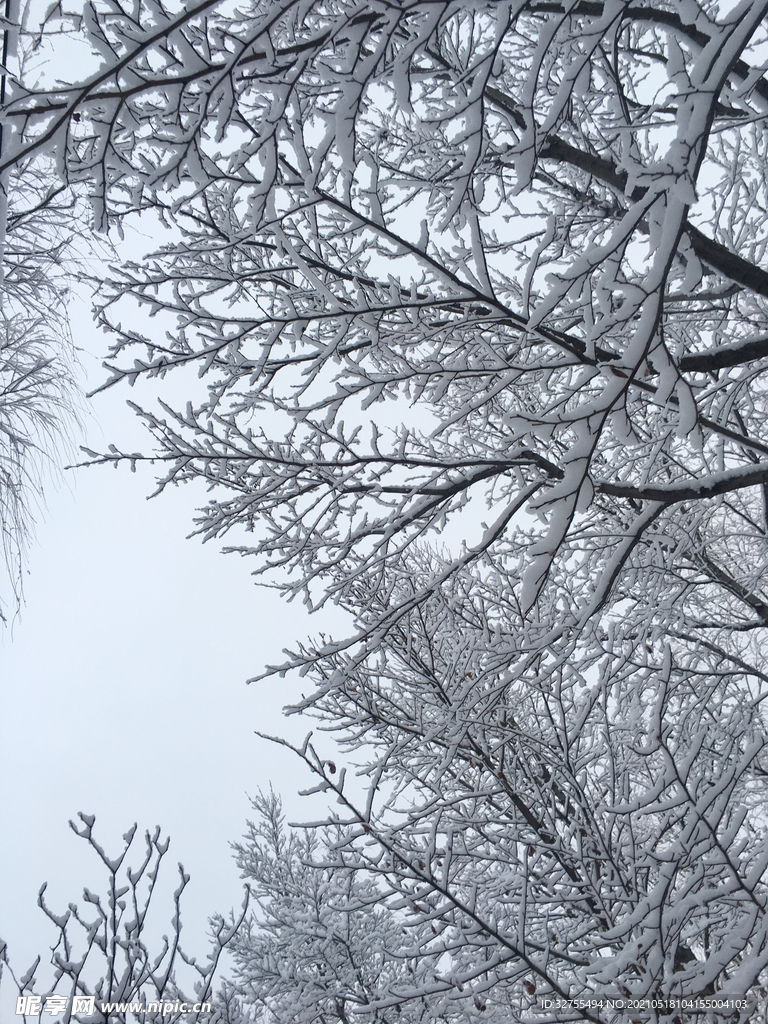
<point x="478" y="292"/>
<point x="40" y="400"/>
<point x="108" y="967"/>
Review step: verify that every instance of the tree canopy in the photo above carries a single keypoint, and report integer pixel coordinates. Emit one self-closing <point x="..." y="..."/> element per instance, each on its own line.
<point x="478" y="294"/>
<point x="40" y="400"/>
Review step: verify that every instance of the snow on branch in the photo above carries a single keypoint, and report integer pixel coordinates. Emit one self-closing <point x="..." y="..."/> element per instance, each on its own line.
<point x="476" y="299"/>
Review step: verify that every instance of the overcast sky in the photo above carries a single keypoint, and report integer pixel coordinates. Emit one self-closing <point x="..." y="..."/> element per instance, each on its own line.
<point x="124" y="693"/>
<point x="123" y="681"/>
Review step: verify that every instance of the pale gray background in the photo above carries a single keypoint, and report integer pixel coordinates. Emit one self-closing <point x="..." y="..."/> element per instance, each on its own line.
<point x="123" y="689"/>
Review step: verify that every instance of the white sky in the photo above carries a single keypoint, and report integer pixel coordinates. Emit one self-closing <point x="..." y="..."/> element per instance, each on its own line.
<point x="124" y="696"/>
<point x="123" y="682"/>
